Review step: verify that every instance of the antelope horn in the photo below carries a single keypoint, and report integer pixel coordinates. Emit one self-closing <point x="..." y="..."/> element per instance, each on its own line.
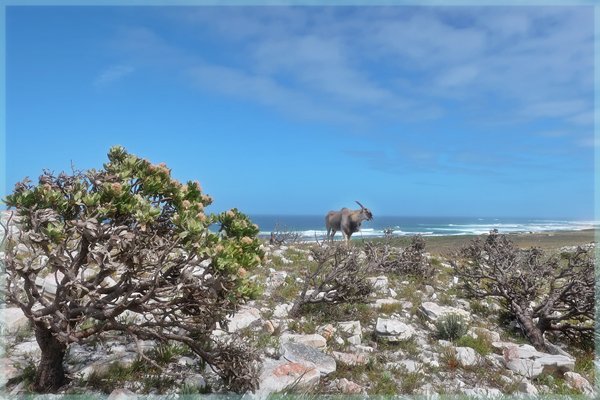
<point x="361" y="206"/>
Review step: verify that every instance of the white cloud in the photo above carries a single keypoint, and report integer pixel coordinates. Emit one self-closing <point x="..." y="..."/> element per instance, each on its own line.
<point x="113" y="74"/>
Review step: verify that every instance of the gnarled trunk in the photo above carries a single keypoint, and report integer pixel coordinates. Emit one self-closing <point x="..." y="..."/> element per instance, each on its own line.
<point x="532" y="331"/>
<point x="50" y="374"/>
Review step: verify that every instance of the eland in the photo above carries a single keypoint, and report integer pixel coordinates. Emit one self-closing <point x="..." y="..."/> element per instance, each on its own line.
<point x="346" y="220"/>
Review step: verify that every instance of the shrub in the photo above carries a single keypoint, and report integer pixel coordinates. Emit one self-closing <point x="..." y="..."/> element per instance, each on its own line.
<point x="128" y="240"/>
<point x="561" y="287"/>
<point x="410" y="261"/>
<point x="451" y="327"/>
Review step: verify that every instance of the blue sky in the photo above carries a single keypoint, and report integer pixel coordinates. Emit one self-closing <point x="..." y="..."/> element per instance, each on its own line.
<point x="456" y="111"/>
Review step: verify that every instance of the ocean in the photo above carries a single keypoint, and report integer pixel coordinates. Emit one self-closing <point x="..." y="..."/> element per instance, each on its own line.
<point x="310" y="227"/>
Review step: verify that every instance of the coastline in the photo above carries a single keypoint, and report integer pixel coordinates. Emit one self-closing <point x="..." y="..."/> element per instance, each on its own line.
<point x="549" y="240"/>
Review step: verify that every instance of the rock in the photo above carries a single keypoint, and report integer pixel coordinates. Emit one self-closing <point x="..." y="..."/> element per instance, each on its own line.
<point x="314" y="340"/>
<point x="345" y="386"/>
<point x="466" y="356"/>
<point x="186" y="361"/>
<point x="196" y="381"/>
<point x="282" y="310"/>
<point x="393" y="330"/>
<point x="434" y="311"/>
<point x="429" y="290"/>
<point x="477" y="332"/>
<point x="355" y="340"/>
<point x="8" y="371"/>
<point x="556" y="364"/>
<point x="364" y="349"/>
<point x="350" y="328"/>
<point x="483" y="392"/>
<point x="379" y="283"/>
<point x="578" y="382"/>
<point x="276" y="376"/>
<point x="349" y="358"/>
<point x="31" y="348"/>
<point x="12" y="320"/>
<point x="121" y="394"/>
<point x="327" y="331"/>
<point x="301" y="353"/>
<point x="247" y="316"/>
<point x="276" y="279"/>
<point x="527" y="361"/>
<point x="385" y="302"/>
<point x="528" y="388"/>
<point x="408" y="365"/>
<point x="393" y="293"/>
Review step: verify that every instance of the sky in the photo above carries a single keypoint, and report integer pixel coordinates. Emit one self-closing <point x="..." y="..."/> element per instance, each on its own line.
<point x="413" y="111"/>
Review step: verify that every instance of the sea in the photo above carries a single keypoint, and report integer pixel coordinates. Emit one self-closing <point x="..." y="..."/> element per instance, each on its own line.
<point x="312" y="227"/>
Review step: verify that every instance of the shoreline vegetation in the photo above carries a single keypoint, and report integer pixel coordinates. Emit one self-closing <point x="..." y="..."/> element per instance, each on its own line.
<point x="550" y="240"/>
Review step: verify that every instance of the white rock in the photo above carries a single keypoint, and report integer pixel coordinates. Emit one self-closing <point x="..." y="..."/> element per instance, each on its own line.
<point x="314" y="340"/>
<point x="528" y="388"/>
<point x="578" y="382"/>
<point x="349" y="358"/>
<point x="8" y="371"/>
<point x="28" y="348"/>
<point x="477" y="332"/>
<point x="466" y="356"/>
<point x="355" y="340"/>
<point x="379" y="283"/>
<point x="393" y="330"/>
<point x="282" y="310"/>
<point x="244" y="318"/>
<point x="483" y="392"/>
<point x="301" y="353"/>
<point x="434" y="311"/>
<point x="12" y="320"/>
<point x="350" y="328"/>
<point x="276" y="376"/>
<point x="122" y="394"/>
<point x="384" y="302"/>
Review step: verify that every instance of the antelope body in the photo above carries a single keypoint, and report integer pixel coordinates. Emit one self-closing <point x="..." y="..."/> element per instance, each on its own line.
<point x="346" y="220"/>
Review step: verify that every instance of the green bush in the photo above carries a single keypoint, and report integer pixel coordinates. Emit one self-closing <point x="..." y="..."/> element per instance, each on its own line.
<point x="451" y="327"/>
<point x="125" y="240"/>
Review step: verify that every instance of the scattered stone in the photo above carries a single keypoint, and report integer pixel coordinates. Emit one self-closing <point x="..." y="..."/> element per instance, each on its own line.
<point x="345" y="386"/>
<point x="316" y="341"/>
<point x="8" y="371"/>
<point x="434" y="311"/>
<point x="122" y="394"/>
<point x="429" y="290"/>
<point x="477" y="332"/>
<point x="393" y="330"/>
<point x="31" y="348"/>
<point x="247" y="316"/>
<point x="196" y="381"/>
<point x="349" y="358"/>
<point x="268" y="327"/>
<point x="408" y="365"/>
<point x="301" y="353"/>
<point x="393" y="293"/>
<point x="327" y="331"/>
<point x="276" y="376"/>
<point x="355" y="340"/>
<point x="276" y="279"/>
<point x="282" y="310"/>
<point x="556" y="364"/>
<point x="351" y="328"/>
<point x="578" y="382"/>
<point x="528" y="388"/>
<point x="483" y="392"/>
<point x="379" y="283"/>
<point x="466" y="356"/>
<point x="186" y="361"/>
<point x="363" y="348"/>
<point x="12" y="320"/>
<point x="385" y="302"/>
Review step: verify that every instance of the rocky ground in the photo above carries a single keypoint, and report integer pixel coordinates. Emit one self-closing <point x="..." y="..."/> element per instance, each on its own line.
<point x="389" y="345"/>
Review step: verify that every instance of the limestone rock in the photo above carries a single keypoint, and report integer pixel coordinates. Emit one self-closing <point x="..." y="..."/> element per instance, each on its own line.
<point x="578" y="382"/>
<point x="279" y="375"/>
<point x="393" y="330"/>
<point x="350" y="358"/>
<point x="477" y="332"/>
<point x="528" y="388"/>
<point x="434" y="311"/>
<point x="282" y="310"/>
<point x="345" y="386"/>
<point x="244" y="318"/>
<point x="12" y="319"/>
<point x="316" y="341"/>
<point x="466" y="356"/>
<point x="122" y="394"/>
<point x="379" y="283"/>
<point x="301" y="353"/>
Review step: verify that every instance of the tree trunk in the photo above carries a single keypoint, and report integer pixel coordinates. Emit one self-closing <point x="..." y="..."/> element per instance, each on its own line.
<point x="532" y="331"/>
<point x="50" y="373"/>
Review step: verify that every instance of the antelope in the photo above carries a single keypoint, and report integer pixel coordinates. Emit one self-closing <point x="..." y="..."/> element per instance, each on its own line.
<point x="346" y="220"/>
